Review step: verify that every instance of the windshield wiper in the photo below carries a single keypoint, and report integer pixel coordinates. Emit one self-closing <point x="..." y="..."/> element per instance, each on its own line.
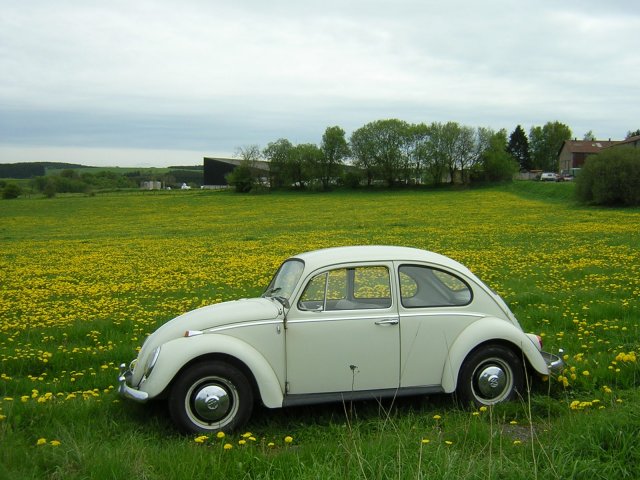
<point x="271" y="290"/>
<point x="282" y="300"/>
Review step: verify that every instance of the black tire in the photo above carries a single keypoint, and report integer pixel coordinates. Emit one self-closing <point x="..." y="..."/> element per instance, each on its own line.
<point x="211" y="397"/>
<point x="489" y="375"/>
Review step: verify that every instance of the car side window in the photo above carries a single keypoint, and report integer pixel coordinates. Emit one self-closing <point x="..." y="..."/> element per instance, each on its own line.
<point x="422" y="286"/>
<point x="348" y="289"/>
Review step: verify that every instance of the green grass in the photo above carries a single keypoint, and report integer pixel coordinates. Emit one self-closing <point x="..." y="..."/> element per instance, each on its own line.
<point x="84" y="279"/>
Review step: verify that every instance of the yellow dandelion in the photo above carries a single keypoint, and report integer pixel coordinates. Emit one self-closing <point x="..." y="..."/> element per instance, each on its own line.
<point x="201" y="439"/>
<point x="227" y="446"/>
<point x="41" y="441"/>
<point x="54" y="443"/>
<point x="437" y="417"/>
<point x="220" y="435"/>
<point x="483" y="409"/>
<point x="288" y="439"/>
<point x="448" y="442"/>
<point x="242" y="442"/>
<point x="517" y="442"/>
<point x="425" y="441"/>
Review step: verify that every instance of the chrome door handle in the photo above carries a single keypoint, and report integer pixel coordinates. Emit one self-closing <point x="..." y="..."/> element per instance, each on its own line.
<point x="388" y="321"/>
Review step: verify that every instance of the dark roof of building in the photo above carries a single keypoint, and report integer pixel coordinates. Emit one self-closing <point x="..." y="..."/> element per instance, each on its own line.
<point x="635" y="140"/>
<point x="587" y="146"/>
<point x="258" y="164"/>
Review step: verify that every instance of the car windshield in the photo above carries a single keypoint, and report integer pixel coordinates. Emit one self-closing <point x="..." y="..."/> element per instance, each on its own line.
<point x="285" y="279"/>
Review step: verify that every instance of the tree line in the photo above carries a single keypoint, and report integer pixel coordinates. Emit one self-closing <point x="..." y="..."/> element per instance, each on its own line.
<point x="393" y="152"/>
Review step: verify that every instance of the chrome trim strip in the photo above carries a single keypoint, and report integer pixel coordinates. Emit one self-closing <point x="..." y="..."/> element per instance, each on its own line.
<point x="340" y="318"/>
<point x="443" y="314"/>
<point x="230" y="326"/>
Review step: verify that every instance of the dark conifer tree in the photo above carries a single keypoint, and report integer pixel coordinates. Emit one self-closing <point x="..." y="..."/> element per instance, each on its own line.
<point x="518" y="148"/>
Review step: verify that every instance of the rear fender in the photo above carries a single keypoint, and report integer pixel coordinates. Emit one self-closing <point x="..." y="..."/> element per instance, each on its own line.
<point x="487" y="330"/>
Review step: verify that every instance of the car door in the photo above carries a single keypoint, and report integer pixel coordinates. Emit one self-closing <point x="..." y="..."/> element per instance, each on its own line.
<point x="342" y="333"/>
<point x="436" y="305"/>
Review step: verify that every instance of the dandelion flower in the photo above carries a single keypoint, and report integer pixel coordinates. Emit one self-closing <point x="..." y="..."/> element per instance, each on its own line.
<point x="288" y="439"/>
<point x="483" y="409"/>
<point x="54" y="443"/>
<point x="201" y="439"/>
<point x="220" y="435"/>
<point x="437" y="417"/>
<point x="242" y="442"/>
<point x="41" y="441"/>
<point x="271" y="444"/>
<point x="2" y="417"/>
<point x="586" y="373"/>
<point x="425" y="441"/>
<point x="227" y="446"/>
<point x="448" y="442"/>
<point x="517" y="442"/>
<point x="513" y="422"/>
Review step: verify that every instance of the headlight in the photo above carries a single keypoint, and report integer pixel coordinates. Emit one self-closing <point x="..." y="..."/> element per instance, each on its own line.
<point x="151" y="361"/>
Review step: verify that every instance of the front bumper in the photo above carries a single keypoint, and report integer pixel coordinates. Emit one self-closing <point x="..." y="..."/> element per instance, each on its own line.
<point x="127" y="391"/>
<point x="555" y="363"/>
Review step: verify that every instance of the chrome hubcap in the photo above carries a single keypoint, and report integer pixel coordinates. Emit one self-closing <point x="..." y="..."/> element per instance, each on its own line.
<point x="211" y="403"/>
<point x="212" y="400"/>
<point x="492" y="381"/>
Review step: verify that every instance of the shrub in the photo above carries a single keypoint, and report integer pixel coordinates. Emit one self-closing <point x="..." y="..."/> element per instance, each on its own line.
<point x="11" y="190"/>
<point x="611" y="178"/>
<point x="241" y="178"/>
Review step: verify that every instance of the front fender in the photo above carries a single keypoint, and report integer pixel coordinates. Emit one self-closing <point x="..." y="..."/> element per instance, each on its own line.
<point x="176" y="353"/>
<point x="485" y="330"/>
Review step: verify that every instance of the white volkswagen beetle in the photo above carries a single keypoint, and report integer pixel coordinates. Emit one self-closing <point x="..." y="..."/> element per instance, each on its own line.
<point x="338" y="324"/>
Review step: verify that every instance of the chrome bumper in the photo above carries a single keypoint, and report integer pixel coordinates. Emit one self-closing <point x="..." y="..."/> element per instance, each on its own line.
<point x="127" y="391"/>
<point x="555" y="363"/>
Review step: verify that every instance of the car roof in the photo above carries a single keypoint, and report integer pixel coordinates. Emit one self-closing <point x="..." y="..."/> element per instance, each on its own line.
<point x="374" y="253"/>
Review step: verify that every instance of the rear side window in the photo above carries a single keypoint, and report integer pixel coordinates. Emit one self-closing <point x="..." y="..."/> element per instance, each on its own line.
<point x="422" y="286"/>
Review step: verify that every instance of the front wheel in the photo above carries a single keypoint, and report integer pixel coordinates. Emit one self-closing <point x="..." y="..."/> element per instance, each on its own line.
<point x="211" y="397"/>
<point x="490" y="375"/>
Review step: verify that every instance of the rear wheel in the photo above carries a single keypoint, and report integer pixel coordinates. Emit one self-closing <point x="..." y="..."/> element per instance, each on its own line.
<point x="211" y="397"/>
<point x="490" y="375"/>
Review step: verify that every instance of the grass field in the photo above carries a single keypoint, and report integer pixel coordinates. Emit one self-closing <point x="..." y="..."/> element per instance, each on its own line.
<point x="83" y="280"/>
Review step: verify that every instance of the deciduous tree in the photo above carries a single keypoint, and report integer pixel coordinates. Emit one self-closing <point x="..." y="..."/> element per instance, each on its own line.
<point x="334" y="150"/>
<point x="545" y="143"/>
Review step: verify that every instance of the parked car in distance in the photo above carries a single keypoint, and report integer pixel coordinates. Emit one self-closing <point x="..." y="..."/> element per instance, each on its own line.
<point x="565" y="178"/>
<point x="345" y="323"/>
<point x="548" y="177"/>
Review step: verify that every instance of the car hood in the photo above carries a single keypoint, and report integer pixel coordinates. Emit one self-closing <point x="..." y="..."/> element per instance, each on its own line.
<point x="212" y="316"/>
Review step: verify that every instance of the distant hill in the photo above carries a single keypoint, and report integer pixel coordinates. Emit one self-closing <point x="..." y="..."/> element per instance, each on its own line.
<point x="33" y="169"/>
<point x="38" y="169"/>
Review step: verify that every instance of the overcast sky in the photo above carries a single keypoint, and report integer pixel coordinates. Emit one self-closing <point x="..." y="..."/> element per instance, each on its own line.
<point x="166" y="82"/>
